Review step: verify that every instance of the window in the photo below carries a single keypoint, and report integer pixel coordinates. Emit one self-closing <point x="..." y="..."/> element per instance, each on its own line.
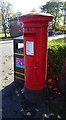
<point x="12" y="23"/>
<point x="18" y="23"/>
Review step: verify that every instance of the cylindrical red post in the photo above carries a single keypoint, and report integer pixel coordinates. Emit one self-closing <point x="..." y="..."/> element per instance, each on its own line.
<point x="35" y="54"/>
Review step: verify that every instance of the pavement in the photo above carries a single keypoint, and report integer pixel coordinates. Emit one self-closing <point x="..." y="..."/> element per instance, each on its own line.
<point x="56" y="37"/>
<point x="6" y="63"/>
<point x="16" y="107"/>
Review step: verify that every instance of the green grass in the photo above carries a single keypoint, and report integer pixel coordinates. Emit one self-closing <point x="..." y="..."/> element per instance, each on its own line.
<point x="3" y="35"/>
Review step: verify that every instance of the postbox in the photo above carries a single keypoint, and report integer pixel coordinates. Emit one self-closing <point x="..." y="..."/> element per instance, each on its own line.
<point x="35" y="54"/>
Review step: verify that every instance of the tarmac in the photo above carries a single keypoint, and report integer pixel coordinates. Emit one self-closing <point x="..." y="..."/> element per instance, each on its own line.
<point x="15" y="105"/>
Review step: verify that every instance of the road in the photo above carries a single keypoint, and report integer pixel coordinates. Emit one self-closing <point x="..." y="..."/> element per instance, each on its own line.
<point x="7" y="49"/>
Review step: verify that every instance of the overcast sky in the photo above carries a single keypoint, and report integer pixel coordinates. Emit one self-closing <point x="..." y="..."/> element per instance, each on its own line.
<point x="26" y="6"/>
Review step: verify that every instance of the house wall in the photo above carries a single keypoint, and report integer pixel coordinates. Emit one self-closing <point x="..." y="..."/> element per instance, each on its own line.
<point x="16" y="28"/>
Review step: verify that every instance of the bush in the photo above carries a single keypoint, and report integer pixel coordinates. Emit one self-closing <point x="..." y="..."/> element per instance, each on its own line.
<point x="55" y="66"/>
<point x="57" y="53"/>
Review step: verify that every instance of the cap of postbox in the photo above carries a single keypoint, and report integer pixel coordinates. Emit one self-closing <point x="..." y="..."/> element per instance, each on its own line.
<point x="35" y="17"/>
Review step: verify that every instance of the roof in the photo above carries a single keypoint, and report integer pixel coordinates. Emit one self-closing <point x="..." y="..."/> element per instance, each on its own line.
<point x="16" y="18"/>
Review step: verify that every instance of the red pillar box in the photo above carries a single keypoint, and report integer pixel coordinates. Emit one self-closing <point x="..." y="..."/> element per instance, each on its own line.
<point x="35" y="54"/>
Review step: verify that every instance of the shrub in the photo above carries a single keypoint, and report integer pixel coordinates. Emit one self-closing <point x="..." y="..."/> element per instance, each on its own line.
<point x="57" y="54"/>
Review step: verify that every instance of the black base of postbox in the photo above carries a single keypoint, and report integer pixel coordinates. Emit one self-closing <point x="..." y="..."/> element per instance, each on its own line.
<point x="35" y="96"/>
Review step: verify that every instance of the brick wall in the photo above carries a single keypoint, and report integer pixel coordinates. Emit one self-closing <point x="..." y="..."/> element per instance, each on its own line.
<point x="16" y="28"/>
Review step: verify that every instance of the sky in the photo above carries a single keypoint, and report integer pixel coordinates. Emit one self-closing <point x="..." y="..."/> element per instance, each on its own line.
<point x="26" y="6"/>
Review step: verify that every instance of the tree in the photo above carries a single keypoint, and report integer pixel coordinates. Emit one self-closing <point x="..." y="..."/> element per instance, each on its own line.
<point x="14" y="15"/>
<point x="6" y="10"/>
<point x="64" y="11"/>
<point x="53" y="8"/>
<point x="18" y="14"/>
